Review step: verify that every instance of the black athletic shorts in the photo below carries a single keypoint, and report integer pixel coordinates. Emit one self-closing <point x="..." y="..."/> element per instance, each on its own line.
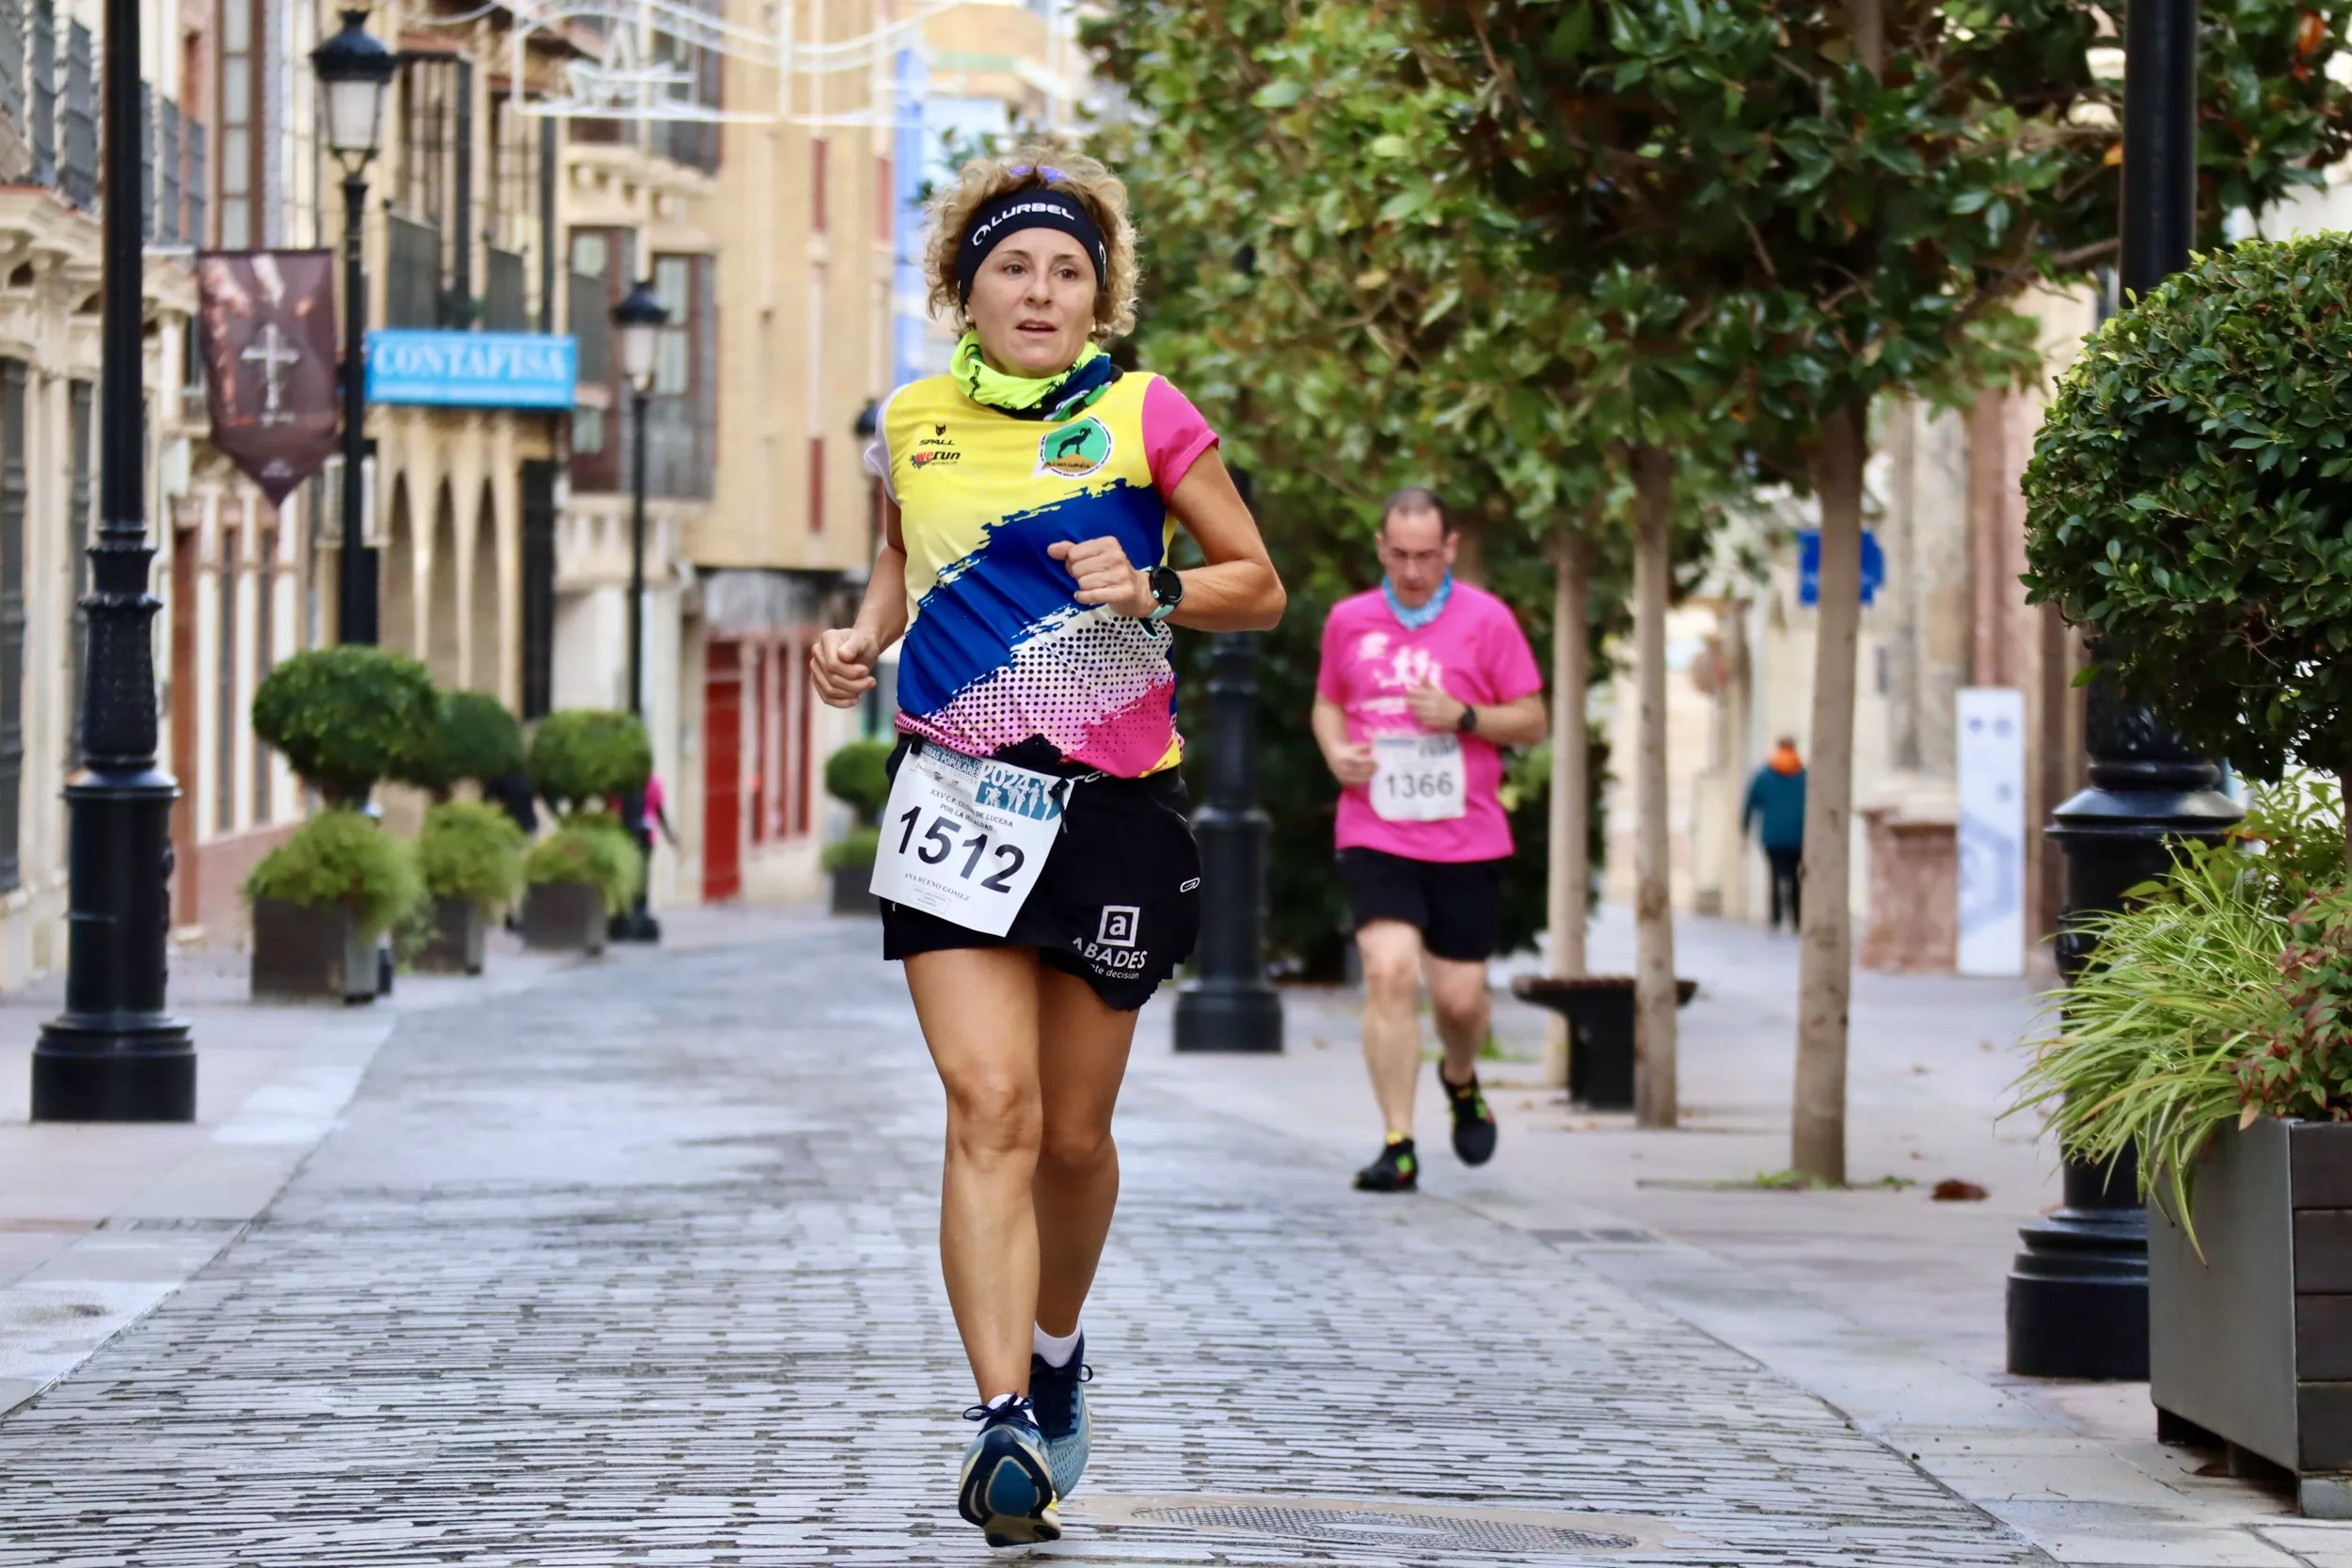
<point x="1456" y="904"/>
<point x="1118" y="904"/>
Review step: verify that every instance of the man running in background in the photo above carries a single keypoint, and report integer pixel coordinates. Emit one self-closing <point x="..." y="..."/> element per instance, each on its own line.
<point x="1423" y="681"/>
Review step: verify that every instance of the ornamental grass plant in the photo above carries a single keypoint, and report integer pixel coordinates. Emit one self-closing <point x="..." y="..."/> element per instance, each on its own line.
<point x="2219" y="994"/>
<point x="341" y="858"/>
<point x="470" y="850"/>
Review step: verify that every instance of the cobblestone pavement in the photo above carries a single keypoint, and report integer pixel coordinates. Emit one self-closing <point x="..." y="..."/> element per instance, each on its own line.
<point x="639" y="1267"/>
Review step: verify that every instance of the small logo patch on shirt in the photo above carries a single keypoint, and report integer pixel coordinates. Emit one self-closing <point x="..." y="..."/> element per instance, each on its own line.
<point x="1074" y="451"/>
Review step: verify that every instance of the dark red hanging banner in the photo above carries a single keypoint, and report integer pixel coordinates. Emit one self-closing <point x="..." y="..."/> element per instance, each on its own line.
<point x="267" y="334"/>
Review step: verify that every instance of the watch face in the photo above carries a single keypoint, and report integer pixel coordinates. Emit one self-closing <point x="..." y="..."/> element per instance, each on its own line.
<point x="1166" y="586"/>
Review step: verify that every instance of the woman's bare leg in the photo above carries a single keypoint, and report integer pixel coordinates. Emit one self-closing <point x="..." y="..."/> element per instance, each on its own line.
<point x="1082" y="1058"/>
<point x="978" y="1008"/>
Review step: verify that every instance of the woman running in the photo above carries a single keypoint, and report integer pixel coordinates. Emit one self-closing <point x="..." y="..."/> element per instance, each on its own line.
<point x="1036" y="868"/>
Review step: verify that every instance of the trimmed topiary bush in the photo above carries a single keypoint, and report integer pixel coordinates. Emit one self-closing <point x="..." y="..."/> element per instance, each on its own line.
<point x="348" y="717"/>
<point x="474" y="740"/>
<point x="340" y="858"/>
<point x="470" y="850"/>
<point x="858" y="776"/>
<point x="853" y="851"/>
<point x="582" y="756"/>
<point x="591" y="848"/>
<point x="2189" y="503"/>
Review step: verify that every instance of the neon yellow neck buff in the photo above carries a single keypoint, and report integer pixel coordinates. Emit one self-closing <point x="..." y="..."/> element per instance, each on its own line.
<point x="1053" y="397"/>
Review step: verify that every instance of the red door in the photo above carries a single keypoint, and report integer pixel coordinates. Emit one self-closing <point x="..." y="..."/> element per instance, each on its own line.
<point x="722" y="772"/>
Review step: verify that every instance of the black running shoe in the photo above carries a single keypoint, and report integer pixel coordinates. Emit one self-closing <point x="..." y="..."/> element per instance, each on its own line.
<point x="1474" y="1124"/>
<point x="1059" y="1396"/>
<point x="1397" y="1170"/>
<point x="1007" y="1487"/>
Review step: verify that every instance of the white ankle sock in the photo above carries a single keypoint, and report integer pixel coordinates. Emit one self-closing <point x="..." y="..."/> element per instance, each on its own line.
<point x="1057" y="1348"/>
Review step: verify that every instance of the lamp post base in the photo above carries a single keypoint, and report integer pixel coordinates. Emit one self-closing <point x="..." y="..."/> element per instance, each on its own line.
<point x="1229" y="1015"/>
<point x="118" y="1068"/>
<point x="2078" y="1297"/>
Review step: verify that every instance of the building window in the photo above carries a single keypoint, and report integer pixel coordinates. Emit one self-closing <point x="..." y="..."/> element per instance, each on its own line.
<point x="264" y="658"/>
<point x="674" y="367"/>
<point x="11" y="616"/>
<point x="242" y="134"/>
<point x="225" y="679"/>
<point x="817" y="485"/>
<point x="816" y="184"/>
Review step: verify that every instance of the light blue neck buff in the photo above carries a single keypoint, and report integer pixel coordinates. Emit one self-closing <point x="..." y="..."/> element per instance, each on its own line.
<point x="1413" y="619"/>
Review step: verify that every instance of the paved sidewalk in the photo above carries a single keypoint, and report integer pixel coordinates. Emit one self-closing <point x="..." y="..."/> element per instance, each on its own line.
<point x="639" y="1267"/>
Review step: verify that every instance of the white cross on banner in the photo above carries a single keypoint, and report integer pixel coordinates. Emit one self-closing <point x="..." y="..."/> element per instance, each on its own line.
<point x="266" y="331"/>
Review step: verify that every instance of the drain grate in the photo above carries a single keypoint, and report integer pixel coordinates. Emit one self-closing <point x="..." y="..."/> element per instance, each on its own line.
<point x="1380" y="1526"/>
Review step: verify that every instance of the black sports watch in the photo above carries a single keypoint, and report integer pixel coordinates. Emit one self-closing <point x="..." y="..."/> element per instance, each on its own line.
<point x="1467" y="723"/>
<point x="1168" y="588"/>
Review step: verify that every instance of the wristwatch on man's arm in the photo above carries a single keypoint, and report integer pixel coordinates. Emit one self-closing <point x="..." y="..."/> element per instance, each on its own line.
<point x="1467" y="723"/>
<point x="1168" y="592"/>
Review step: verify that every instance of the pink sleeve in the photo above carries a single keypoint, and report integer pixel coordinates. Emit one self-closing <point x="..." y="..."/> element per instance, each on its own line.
<point x="1327" y="683"/>
<point x="1515" y="674"/>
<point x="1174" y="435"/>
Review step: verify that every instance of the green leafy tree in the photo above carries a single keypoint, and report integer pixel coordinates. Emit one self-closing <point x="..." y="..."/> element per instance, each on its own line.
<point x="2189" y="503"/>
<point x="1804" y="203"/>
<point x="471" y="850"/>
<point x="347" y="717"/>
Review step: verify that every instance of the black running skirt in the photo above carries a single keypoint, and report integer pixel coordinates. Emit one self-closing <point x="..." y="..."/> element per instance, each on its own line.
<point x="1118" y="904"/>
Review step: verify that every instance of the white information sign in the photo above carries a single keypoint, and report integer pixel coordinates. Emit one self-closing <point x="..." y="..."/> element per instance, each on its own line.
<point x="1991" y="768"/>
<point x="964" y="838"/>
<point x="1419" y="778"/>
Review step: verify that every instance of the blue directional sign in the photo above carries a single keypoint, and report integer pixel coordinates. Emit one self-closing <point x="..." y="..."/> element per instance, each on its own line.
<point x="473" y="370"/>
<point x="1809" y="566"/>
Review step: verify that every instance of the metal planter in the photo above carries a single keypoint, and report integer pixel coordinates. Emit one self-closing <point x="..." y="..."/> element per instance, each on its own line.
<point x="455" y="947"/>
<point x="2253" y="1342"/>
<point x="306" y="955"/>
<point x="563" y="917"/>
<point x="1601" y="1031"/>
<point x="850" y="891"/>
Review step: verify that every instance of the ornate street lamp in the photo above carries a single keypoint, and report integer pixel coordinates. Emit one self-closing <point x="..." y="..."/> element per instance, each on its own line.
<point x="355" y="71"/>
<point x="639" y="319"/>
<point x="114" y="1054"/>
<point x="2078" y="1292"/>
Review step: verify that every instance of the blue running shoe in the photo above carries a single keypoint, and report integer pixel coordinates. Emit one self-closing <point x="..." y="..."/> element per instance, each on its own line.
<point x="1060" y="1397"/>
<point x="1007" y="1487"/>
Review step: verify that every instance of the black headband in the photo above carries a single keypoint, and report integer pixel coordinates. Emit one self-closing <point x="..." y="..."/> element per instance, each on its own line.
<point x="1016" y="211"/>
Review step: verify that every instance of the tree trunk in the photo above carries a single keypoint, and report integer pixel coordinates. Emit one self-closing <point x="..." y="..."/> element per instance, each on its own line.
<point x="1570" y="869"/>
<point x="1824" y="964"/>
<point x="1655" y="1095"/>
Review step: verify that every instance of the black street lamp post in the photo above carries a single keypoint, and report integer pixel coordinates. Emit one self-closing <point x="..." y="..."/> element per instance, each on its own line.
<point x="639" y="319"/>
<point x="114" y="1054"/>
<point x="1230" y="1005"/>
<point x="355" y="71"/>
<point x="2078" y="1292"/>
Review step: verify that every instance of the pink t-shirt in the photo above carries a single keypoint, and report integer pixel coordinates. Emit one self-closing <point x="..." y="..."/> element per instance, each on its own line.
<point x="1476" y="653"/>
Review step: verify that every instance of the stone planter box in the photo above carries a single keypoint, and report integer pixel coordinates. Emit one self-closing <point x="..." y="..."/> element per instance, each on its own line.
<point x="563" y="917"/>
<point x="2251" y="1344"/>
<point x="307" y="955"/>
<point x="849" y="896"/>
<point x="1599" y="1010"/>
<point x="455" y="945"/>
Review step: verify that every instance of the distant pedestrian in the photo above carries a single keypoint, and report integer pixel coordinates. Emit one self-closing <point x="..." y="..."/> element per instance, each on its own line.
<point x="1037" y="867"/>
<point x="512" y="794"/>
<point x="1776" y="806"/>
<point x="1423" y="681"/>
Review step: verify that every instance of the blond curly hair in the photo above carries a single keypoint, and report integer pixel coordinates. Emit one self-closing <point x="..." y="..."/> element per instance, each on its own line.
<point x="984" y="179"/>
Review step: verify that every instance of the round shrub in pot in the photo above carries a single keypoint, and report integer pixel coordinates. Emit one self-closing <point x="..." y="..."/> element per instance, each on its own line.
<point x="858" y="776"/>
<point x="319" y="901"/>
<point x="582" y="757"/>
<point x="469" y="857"/>
<point x="580" y="876"/>
<point x="474" y="740"/>
<point x="347" y="717"/>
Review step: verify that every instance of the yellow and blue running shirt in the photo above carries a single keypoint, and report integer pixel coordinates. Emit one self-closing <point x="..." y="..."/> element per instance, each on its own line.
<point x="999" y="655"/>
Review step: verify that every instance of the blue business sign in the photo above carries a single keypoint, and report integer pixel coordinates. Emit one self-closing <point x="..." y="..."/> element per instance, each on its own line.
<point x="1809" y="566"/>
<point x="473" y="370"/>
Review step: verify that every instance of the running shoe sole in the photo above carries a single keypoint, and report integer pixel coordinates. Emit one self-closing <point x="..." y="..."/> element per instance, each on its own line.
<point x="1008" y="1491"/>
